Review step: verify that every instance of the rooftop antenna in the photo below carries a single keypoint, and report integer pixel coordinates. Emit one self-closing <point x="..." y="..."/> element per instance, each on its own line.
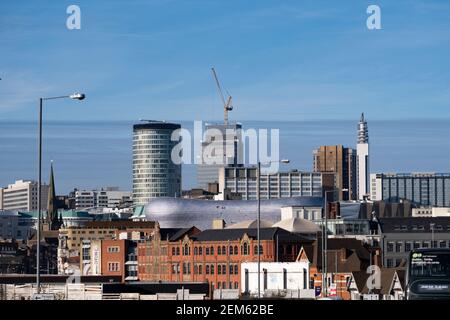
<point x="227" y="106"/>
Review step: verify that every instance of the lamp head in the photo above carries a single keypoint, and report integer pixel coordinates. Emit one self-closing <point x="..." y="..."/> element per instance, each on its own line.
<point x="77" y="96"/>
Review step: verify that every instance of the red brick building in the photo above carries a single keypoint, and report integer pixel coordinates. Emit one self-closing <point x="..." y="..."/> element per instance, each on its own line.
<point x="113" y="257"/>
<point x="213" y="255"/>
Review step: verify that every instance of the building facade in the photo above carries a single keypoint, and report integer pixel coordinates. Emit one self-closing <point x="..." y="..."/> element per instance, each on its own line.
<point x="425" y="189"/>
<point x="400" y="235"/>
<point x="341" y="161"/>
<point x="154" y="172"/>
<point x="23" y="196"/>
<point x="362" y="160"/>
<point x="221" y="147"/>
<point x="215" y="255"/>
<point x="110" y="197"/>
<point x="278" y="185"/>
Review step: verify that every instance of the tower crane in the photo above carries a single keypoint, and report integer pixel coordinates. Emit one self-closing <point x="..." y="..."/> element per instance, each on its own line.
<point x="227" y="106"/>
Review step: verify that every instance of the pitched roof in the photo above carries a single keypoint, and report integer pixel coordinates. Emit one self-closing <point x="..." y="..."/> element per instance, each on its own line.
<point x="235" y="234"/>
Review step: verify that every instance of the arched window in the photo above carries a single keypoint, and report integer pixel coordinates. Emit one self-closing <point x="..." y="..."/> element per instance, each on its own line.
<point x="195" y="269"/>
<point x="178" y="251"/>
<point x="200" y="250"/>
<point x="212" y="269"/>
<point x="173" y="251"/>
<point x="236" y="285"/>
<point x="236" y="269"/>
<point x="219" y="251"/>
<point x="207" y="269"/>
<point x="186" y="250"/>
<point x="219" y="269"/>
<point x="245" y="249"/>
<point x="231" y="269"/>
<point x="200" y="269"/>
<point x="224" y="269"/>
<point x="207" y="251"/>
<point x="230" y="249"/>
<point x="212" y="250"/>
<point x="255" y="250"/>
<point x="224" y="250"/>
<point x="236" y="250"/>
<point x="195" y="251"/>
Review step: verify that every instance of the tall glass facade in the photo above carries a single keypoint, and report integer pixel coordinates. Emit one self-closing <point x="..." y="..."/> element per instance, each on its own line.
<point x="154" y="173"/>
<point x="428" y="189"/>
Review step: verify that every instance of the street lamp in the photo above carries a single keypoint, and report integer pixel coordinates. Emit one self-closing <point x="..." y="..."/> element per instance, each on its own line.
<point x="258" y="191"/>
<point x="325" y="242"/>
<point x="74" y="96"/>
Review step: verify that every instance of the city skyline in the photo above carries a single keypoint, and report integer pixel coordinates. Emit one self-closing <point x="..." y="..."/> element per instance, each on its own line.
<point x="305" y="60"/>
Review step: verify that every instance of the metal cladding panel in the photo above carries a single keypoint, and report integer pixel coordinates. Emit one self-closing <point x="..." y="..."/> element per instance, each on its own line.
<point x="181" y="213"/>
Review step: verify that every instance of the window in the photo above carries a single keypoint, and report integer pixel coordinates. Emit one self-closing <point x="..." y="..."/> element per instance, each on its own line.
<point x="231" y="269"/>
<point x="224" y="250"/>
<point x="219" y="250"/>
<point x="178" y="251"/>
<point x="390" y="247"/>
<point x="398" y="246"/>
<point x="219" y="269"/>
<point x="113" y="249"/>
<point x="230" y="250"/>
<point x="236" y="285"/>
<point x="245" y="249"/>
<point x="200" y="269"/>
<point x="442" y="244"/>
<point x="186" y="250"/>
<point x="389" y="263"/>
<point x="212" y="269"/>
<point x="113" y="266"/>
<point x="200" y="251"/>
<point x="408" y="246"/>
<point x="173" y="251"/>
<point x="195" y="251"/>
<point x="195" y="268"/>
<point x="207" y="269"/>
<point x="236" y="269"/>
<point x="416" y="245"/>
<point x="224" y="269"/>
<point x="211" y="250"/>
<point x="207" y="251"/>
<point x="236" y="250"/>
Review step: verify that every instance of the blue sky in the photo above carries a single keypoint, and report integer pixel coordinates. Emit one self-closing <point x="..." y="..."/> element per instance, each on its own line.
<point x="283" y="60"/>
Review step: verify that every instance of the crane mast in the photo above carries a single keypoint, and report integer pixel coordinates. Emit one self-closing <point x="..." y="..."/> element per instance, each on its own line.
<point x="227" y="106"/>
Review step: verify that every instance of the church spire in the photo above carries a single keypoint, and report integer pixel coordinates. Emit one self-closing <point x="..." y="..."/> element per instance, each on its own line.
<point x="52" y="209"/>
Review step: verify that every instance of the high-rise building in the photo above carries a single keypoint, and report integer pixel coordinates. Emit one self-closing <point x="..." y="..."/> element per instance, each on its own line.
<point x="154" y="172"/>
<point x="362" y="162"/>
<point x="426" y="189"/>
<point x="243" y="180"/>
<point x="224" y="138"/>
<point x="342" y="162"/>
<point x="23" y="196"/>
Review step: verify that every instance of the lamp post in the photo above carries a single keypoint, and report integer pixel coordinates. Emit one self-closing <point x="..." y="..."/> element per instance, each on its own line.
<point x="325" y="243"/>
<point x="258" y="192"/>
<point x="432" y="234"/>
<point x="75" y="96"/>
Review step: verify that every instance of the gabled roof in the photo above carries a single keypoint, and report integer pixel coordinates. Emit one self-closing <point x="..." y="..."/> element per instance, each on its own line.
<point x="387" y="280"/>
<point x="235" y="234"/>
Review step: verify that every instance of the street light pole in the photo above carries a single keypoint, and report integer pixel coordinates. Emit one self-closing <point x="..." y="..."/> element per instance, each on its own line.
<point x="432" y="234"/>
<point x="75" y="96"/>
<point x="259" y="227"/>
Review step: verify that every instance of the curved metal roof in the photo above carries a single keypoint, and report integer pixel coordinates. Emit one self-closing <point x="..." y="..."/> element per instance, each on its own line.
<point x="181" y="213"/>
